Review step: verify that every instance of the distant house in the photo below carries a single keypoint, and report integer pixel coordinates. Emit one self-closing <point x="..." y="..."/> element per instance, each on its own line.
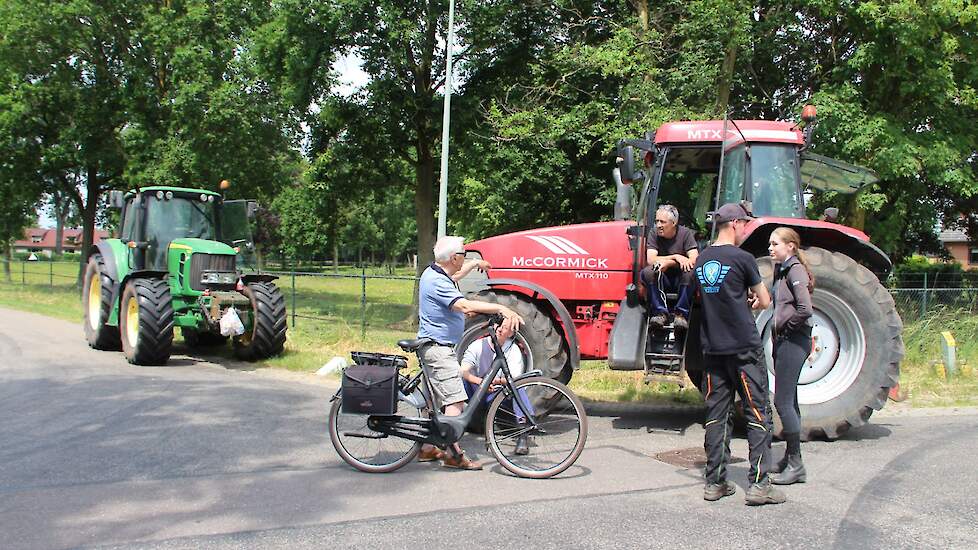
<point x="957" y="244"/>
<point x="37" y="239"/>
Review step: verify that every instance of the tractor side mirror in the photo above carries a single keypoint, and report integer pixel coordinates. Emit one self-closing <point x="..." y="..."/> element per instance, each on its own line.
<point x="117" y="199"/>
<point x="252" y="209"/>
<point x="626" y="163"/>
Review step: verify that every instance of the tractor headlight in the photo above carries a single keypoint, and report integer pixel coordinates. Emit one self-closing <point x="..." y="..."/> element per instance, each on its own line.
<point x="218" y="278"/>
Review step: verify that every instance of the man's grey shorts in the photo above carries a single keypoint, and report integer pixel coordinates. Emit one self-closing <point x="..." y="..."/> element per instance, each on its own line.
<point x="446" y="375"/>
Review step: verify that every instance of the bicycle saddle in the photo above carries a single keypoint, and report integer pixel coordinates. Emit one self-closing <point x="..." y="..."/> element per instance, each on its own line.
<point x="413" y="345"/>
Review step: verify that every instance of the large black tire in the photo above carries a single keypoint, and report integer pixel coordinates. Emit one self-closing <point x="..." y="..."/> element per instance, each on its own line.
<point x="267" y="335"/>
<point x="146" y="322"/>
<point x="858" y="342"/>
<point x="97" y="305"/>
<point x="544" y="346"/>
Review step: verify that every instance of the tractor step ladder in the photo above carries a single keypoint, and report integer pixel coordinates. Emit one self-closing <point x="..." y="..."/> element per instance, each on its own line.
<point x="664" y="357"/>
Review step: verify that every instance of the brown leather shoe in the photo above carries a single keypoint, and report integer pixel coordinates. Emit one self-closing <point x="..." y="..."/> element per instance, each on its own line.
<point x="462" y="463"/>
<point x="431" y="455"/>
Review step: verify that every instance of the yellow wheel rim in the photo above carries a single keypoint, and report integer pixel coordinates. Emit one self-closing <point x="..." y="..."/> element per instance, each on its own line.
<point x="132" y="321"/>
<point x="95" y="301"/>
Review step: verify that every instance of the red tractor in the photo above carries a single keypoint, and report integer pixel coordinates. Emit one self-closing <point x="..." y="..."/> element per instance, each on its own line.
<point x="578" y="286"/>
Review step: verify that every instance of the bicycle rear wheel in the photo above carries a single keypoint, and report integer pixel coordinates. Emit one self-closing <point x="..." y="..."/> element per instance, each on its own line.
<point x="365" y="449"/>
<point x="556" y="441"/>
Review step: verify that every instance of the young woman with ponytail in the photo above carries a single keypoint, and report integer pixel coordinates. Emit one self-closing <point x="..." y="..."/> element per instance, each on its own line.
<point x="792" y="335"/>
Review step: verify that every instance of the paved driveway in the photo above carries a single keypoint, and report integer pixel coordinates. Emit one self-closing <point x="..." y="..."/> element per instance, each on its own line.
<point x="96" y="452"/>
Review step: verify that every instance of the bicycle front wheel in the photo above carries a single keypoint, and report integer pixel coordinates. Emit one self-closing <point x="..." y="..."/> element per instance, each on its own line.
<point x="553" y="444"/>
<point x="365" y="449"/>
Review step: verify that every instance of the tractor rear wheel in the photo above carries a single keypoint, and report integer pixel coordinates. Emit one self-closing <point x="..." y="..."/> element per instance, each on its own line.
<point x="146" y="322"/>
<point x="543" y="346"/>
<point x="857" y="345"/>
<point x="267" y="335"/>
<point x="97" y="305"/>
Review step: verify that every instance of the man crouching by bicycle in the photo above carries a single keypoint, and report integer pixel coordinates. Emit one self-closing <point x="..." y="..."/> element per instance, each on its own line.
<point x="477" y="362"/>
<point x="441" y="317"/>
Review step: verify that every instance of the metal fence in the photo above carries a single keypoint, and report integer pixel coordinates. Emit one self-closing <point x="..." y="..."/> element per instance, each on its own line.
<point x="369" y="297"/>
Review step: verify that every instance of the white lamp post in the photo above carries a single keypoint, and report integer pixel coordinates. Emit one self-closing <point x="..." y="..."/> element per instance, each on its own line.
<point x="446" y="118"/>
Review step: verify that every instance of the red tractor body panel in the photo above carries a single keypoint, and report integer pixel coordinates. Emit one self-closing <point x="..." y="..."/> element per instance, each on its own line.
<point x="576" y="262"/>
<point x="711" y="131"/>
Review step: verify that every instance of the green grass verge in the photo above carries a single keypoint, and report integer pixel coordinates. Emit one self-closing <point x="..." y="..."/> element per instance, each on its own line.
<point x="331" y="321"/>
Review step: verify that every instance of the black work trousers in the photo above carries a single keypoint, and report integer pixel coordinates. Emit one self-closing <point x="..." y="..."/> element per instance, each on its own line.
<point x="723" y="375"/>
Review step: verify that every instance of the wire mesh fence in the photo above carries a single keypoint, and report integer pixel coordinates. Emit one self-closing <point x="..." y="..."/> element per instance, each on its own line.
<point x="379" y="299"/>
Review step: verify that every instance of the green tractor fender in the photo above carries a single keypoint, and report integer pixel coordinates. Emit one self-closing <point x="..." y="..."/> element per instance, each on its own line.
<point x="115" y="262"/>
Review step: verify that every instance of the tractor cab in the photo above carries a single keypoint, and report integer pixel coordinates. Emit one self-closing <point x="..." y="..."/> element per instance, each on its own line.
<point x="699" y="165"/>
<point x="156" y="220"/>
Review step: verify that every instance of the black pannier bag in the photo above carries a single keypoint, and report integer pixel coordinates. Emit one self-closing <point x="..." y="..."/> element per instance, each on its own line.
<point x="370" y="386"/>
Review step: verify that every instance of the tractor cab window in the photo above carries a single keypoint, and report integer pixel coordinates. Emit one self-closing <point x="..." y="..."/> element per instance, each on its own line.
<point x="688" y="179"/>
<point x="774" y="188"/>
<point x="734" y="174"/>
<point x="236" y="231"/>
<point x="176" y="218"/>
<point x="128" y="232"/>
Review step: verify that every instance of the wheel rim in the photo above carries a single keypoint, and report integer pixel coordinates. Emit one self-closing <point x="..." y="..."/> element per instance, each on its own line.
<point x="838" y="351"/>
<point x="370" y="453"/>
<point x="95" y="301"/>
<point x="132" y="321"/>
<point x="552" y="448"/>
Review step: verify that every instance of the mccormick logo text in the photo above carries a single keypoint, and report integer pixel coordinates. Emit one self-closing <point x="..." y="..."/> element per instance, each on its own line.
<point x="562" y="248"/>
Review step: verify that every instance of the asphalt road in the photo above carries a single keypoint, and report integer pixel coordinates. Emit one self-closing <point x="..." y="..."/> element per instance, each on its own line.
<point x="97" y="453"/>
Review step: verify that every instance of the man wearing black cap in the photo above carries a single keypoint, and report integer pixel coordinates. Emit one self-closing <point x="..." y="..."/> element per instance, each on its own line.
<point x="733" y="357"/>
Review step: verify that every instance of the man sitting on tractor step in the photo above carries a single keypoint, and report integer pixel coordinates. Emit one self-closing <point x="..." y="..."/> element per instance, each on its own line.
<point x="671" y="256"/>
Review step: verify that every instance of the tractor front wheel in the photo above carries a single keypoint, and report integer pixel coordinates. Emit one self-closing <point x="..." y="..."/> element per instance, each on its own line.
<point x="146" y="322"/>
<point x="97" y="305"/>
<point x="266" y="337"/>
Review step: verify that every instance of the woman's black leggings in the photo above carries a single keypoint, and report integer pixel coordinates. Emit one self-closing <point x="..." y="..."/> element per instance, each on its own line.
<point x="790" y="354"/>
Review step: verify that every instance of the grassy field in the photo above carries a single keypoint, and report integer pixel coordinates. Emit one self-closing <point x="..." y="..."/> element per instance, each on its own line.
<point x="331" y="320"/>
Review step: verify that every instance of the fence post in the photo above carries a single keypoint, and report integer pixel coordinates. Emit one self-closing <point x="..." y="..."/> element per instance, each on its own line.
<point x="23" y="273"/>
<point x="51" y="273"/>
<point x="923" y="302"/>
<point x="363" y="302"/>
<point x="293" y="292"/>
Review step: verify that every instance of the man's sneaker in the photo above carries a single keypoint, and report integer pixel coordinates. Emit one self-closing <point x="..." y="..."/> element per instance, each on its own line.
<point x="762" y="493"/>
<point x="716" y="491"/>
<point x="461" y="463"/>
<point x="658" y="320"/>
<point x="680" y="322"/>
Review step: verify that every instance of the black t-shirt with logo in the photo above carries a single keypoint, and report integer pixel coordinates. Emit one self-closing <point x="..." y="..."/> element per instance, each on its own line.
<point x="724" y="273"/>
<point x="681" y="243"/>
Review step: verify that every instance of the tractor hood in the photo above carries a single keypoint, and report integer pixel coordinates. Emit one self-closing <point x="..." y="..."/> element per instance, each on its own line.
<point x="203" y="246"/>
<point x="585" y="247"/>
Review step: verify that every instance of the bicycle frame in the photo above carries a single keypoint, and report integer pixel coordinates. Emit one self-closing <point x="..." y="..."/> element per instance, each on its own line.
<point x="442" y="430"/>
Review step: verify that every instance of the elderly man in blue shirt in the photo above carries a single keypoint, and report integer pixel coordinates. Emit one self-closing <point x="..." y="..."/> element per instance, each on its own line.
<point x="441" y="317"/>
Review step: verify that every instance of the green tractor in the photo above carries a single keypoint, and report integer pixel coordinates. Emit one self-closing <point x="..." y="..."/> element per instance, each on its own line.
<point x="184" y="258"/>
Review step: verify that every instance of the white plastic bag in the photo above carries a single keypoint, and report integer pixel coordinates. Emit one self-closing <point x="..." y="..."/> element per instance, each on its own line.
<point x="231" y="324"/>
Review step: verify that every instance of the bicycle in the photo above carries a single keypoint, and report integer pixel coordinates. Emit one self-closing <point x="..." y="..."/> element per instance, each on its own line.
<point x="556" y="425"/>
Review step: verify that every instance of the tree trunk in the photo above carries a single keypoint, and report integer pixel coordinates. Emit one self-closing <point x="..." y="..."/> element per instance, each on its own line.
<point x="726" y="74"/>
<point x="59" y="232"/>
<point x="88" y="220"/>
<point x="424" y="208"/>
<point x="8" y="252"/>
<point x="336" y="257"/>
<point x="642" y="10"/>
<point x="855" y="215"/>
